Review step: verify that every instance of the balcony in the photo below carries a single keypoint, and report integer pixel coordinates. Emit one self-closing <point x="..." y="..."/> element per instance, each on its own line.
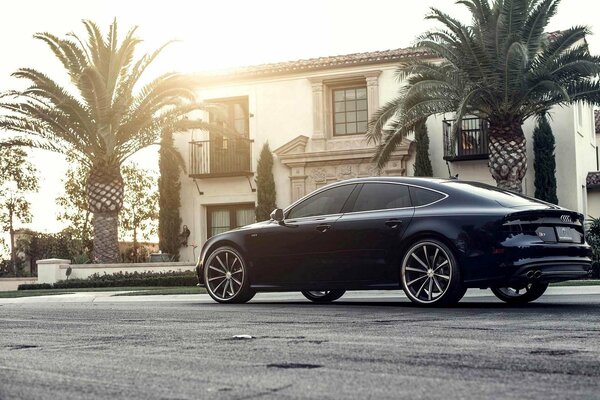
<point x="220" y="157"/>
<point x="470" y="142"/>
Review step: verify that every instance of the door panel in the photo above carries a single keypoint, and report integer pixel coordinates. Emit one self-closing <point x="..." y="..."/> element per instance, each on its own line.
<point x="297" y="250"/>
<point x="371" y="232"/>
<point x="369" y="240"/>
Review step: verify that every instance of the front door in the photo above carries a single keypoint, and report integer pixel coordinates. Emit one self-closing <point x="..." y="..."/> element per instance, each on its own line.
<point x="297" y="250"/>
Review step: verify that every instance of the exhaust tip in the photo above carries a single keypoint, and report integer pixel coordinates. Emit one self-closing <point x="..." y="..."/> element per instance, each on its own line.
<point x="537" y="274"/>
<point x="530" y="274"/>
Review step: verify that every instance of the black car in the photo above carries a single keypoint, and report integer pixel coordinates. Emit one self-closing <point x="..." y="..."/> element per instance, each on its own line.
<point x="433" y="238"/>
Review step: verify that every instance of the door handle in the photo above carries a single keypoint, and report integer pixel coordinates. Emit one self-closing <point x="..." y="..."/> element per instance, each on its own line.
<point x="323" y="227"/>
<point x="393" y="223"/>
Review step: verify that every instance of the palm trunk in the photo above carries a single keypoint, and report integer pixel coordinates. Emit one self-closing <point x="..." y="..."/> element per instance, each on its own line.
<point x="104" y="191"/>
<point x="508" y="156"/>
<point x="106" y="238"/>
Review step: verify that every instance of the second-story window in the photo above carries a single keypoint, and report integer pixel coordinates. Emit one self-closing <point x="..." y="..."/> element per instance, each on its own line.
<point x="350" y="114"/>
<point x="233" y="113"/>
<point x="224" y="154"/>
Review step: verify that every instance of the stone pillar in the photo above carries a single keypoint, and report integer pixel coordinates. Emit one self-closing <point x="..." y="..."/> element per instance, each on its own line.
<point x="49" y="270"/>
<point x="298" y="181"/>
<point x="318" y="99"/>
<point x="372" y="79"/>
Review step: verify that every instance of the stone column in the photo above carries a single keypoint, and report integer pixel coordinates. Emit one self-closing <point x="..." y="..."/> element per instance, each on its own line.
<point x="298" y="181"/>
<point x="318" y="99"/>
<point x="372" y="79"/>
<point x="49" y="270"/>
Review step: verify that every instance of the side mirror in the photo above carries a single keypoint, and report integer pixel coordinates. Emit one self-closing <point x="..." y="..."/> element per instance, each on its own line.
<point x="277" y="215"/>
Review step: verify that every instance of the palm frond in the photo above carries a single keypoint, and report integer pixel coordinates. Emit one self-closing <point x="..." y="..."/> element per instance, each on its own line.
<point x="103" y="117"/>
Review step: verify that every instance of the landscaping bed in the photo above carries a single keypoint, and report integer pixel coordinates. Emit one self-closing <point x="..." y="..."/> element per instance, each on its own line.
<point x="135" y="279"/>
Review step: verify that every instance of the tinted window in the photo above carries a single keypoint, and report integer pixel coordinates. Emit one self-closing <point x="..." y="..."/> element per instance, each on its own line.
<point x="503" y="197"/>
<point x="327" y="202"/>
<point x="421" y="197"/>
<point x="382" y="196"/>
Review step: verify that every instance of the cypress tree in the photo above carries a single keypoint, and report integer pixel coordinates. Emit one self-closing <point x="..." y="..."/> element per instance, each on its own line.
<point x="544" y="161"/>
<point x="169" y="186"/>
<point x="422" y="162"/>
<point x="265" y="185"/>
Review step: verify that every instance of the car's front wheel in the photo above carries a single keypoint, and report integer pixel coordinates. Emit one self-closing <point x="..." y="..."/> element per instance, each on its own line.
<point x="323" y="296"/>
<point x="226" y="276"/>
<point x="430" y="274"/>
<point x="520" y="295"/>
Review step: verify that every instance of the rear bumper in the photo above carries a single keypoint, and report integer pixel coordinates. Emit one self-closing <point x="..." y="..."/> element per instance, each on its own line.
<point x="540" y="270"/>
<point x="552" y="271"/>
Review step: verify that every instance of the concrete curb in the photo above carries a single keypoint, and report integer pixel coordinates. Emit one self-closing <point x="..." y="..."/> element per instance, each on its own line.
<point x="108" y="297"/>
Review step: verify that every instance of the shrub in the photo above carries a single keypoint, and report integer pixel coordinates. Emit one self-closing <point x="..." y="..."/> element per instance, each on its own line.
<point x="171" y="278"/>
<point x="169" y="221"/>
<point x="265" y="185"/>
<point x="422" y="162"/>
<point x="34" y="286"/>
<point x="595" y="270"/>
<point x="544" y="161"/>
<point x="592" y="236"/>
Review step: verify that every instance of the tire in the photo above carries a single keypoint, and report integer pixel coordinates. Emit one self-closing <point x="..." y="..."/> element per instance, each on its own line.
<point x="323" y="296"/>
<point x="226" y="276"/>
<point x="511" y="295"/>
<point x="429" y="266"/>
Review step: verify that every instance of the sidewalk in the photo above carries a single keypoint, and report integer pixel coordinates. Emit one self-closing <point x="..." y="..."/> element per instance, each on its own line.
<point x="108" y="297"/>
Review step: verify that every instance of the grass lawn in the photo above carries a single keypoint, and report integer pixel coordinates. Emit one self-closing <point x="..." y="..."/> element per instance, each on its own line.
<point x="142" y="290"/>
<point x="586" y="282"/>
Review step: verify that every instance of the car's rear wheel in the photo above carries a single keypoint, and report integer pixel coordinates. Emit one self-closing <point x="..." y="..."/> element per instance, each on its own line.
<point x="323" y="296"/>
<point x="520" y="294"/>
<point x="226" y="276"/>
<point x="430" y="274"/>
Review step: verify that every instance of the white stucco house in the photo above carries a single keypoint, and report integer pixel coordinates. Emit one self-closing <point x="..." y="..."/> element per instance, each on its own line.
<point x="313" y="113"/>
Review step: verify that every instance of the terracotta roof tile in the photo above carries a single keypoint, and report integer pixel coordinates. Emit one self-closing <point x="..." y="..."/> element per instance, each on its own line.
<point x="315" y="64"/>
<point x="321" y="63"/>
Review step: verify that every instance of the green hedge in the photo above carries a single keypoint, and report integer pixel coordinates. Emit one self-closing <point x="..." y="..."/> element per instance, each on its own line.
<point x="595" y="270"/>
<point x="171" y="278"/>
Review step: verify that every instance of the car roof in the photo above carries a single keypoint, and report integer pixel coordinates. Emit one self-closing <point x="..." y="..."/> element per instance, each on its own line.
<point x="433" y="183"/>
<point x="475" y="191"/>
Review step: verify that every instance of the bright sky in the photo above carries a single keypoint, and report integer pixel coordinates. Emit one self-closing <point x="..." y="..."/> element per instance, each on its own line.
<point x="223" y="34"/>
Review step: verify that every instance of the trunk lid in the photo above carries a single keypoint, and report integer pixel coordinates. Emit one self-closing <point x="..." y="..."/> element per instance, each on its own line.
<point x="551" y="225"/>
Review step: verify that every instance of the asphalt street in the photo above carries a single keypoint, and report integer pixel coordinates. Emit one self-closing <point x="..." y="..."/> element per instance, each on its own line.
<point x="363" y="346"/>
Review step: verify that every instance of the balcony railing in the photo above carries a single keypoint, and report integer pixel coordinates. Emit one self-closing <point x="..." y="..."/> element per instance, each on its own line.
<point x="470" y="141"/>
<point x="220" y="157"/>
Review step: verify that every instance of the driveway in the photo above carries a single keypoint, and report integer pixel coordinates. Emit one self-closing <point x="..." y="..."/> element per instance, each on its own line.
<point x="367" y="345"/>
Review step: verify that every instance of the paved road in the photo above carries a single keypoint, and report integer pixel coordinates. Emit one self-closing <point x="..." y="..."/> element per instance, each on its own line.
<point x="362" y="347"/>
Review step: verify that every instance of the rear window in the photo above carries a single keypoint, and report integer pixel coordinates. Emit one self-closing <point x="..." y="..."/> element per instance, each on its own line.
<point x="422" y="197"/>
<point x="502" y="197"/>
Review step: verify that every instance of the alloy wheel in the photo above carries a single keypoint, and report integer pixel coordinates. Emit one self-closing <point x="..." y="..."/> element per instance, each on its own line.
<point x="520" y="294"/>
<point x="225" y="274"/>
<point x="427" y="272"/>
<point x="323" y="296"/>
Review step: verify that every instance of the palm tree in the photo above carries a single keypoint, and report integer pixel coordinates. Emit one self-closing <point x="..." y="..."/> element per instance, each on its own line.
<point x="502" y="68"/>
<point x="103" y="120"/>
